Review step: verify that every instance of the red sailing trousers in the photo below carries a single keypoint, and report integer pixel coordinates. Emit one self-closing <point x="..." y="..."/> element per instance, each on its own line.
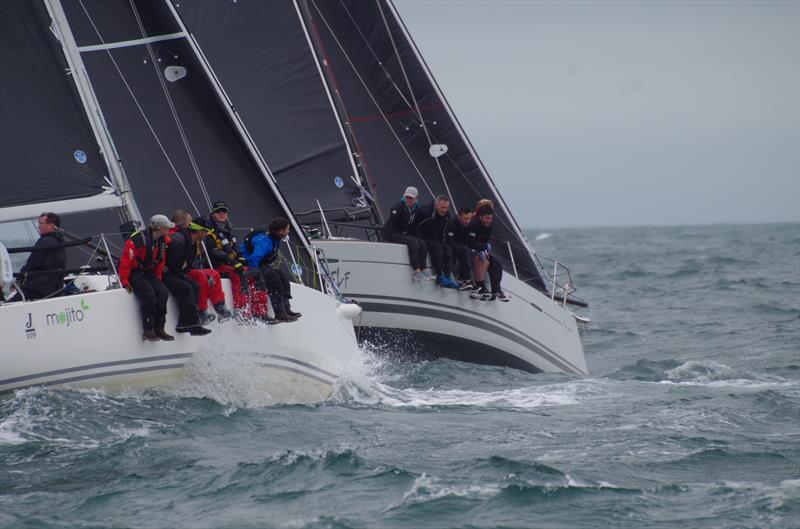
<point x="254" y="303"/>
<point x="210" y="287"/>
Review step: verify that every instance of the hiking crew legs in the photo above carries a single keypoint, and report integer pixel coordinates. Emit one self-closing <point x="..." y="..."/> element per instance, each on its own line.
<point x="495" y="274"/>
<point x="204" y="277"/>
<point x="279" y="286"/>
<point x="462" y="260"/>
<point x="441" y="257"/>
<point x="185" y="291"/>
<point x="417" y="251"/>
<point x="152" y="296"/>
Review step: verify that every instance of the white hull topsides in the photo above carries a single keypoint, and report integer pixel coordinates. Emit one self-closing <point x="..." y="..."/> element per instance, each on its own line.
<point x="95" y="340"/>
<point x="530" y="332"/>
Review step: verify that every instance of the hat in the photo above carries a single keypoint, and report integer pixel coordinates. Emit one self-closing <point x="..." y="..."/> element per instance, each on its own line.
<point x="218" y="205"/>
<point x="161" y="221"/>
<point x="202" y="223"/>
<point x="411" y="192"/>
<point x="196" y="226"/>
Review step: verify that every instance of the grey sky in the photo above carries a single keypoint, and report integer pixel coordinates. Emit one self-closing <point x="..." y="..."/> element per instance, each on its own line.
<point x="608" y="113"/>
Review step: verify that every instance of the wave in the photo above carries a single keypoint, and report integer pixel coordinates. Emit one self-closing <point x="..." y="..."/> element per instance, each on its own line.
<point x="372" y="384"/>
<point x="543" y="236"/>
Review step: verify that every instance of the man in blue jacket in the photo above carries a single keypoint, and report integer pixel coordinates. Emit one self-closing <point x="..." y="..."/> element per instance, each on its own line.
<point x="261" y="248"/>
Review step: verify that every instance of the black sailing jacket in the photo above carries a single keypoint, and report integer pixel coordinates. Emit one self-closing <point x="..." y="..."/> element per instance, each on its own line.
<point x="52" y="259"/>
<point x="479" y="235"/>
<point x="431" y="225"/>
<point x="402" y="219"/>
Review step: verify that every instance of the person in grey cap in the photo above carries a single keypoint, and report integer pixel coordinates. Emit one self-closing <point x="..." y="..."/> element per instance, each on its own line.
<point x="141" y="269"/>
<point x="401" y="227"/>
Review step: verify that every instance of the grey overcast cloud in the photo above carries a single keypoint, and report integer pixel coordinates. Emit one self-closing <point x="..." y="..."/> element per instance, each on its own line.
<point x="596" y="113"/>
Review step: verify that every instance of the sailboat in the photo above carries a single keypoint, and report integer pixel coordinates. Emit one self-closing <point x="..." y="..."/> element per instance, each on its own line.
<point x="101" y="121"/>
<point x="340" y="103"/>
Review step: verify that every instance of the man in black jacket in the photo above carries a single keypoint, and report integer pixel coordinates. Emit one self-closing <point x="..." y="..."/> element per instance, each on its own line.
<point x="401" y="227"/>
<point x="432" y="223"/>
<point x="180" y="254"/>
<point x="50" y="257"/>
<point x="458" y="241"/>
<point x="480" y="234"/>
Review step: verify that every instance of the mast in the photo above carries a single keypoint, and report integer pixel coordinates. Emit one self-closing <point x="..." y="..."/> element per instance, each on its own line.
<point x="337" y="107"/>
<point x="93" y="112"/>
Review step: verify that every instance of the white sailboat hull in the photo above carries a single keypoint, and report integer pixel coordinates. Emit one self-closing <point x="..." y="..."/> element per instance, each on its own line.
<point x="530" y="332"/>
<point x="94" y="340"/>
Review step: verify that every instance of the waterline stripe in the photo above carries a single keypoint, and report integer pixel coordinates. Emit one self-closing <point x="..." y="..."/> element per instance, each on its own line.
<point x="95" y="366"/>
<point x="295" y="370"/>
<point x="304" y="364"/>
<point x="473" y="322"/>
<point x="95" y="375"/>
<point x="479" y="317"/>
<point x="133" y="42"/>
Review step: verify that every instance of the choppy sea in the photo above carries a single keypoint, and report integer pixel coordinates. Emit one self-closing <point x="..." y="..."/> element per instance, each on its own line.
<point x="690" y="418"/>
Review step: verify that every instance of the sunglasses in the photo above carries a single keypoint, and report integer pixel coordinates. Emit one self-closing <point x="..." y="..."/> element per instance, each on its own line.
<point x="221" y="210"/>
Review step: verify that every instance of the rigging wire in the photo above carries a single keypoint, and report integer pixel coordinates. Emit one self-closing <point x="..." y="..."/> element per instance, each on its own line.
<point x="372" y="97"/>
<point x="175" y="116"/>
<point x="139" y="107"/>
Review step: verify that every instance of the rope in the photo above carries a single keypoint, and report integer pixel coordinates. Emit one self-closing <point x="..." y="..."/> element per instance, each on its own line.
<point x="175" y="116"/>
<point x="374" y="101"/>
<point x="138" y="106"/>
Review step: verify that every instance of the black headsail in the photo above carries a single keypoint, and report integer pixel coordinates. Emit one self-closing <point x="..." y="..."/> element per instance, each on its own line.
<point x="261" y="55"/>
<point x="48" y="152"/>
<point x="400" y="117"/>
<point x="179" y="146"/>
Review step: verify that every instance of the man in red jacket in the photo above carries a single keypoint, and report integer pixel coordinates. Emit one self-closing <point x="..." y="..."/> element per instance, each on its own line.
<point x="141" y="269"/>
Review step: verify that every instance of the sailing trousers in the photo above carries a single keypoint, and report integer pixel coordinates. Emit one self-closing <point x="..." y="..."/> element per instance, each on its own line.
<point x="417" y="251"/>
<point x="239" y="296"/>
<point x="279" y="286"/>
<point x="462" y="259"/>
<point x="495" y="273"/>
<point x="152" y="296"/>
<point x="441" y="257"/>
<point x="210" y="285"/>
<point x="185" y="292"/>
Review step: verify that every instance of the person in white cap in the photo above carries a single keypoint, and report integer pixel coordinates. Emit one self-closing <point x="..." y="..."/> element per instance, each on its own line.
<point x="401" y="227"/>
<point x="141" y="269"/>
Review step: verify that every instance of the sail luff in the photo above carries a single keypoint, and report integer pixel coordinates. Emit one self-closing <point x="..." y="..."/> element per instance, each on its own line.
<point x="92" y="109"/>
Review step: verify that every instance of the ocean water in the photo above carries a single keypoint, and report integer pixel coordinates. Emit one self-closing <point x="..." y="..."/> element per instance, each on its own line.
<point x="690" y="418"/>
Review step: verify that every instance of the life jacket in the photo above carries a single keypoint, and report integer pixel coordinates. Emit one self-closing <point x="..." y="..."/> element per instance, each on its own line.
<point x="250" y="247"/>
<point x="154" y="251"/>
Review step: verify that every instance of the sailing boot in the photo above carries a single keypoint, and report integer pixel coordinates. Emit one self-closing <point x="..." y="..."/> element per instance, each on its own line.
<point x="162" y="334"/>
<point x="149" y="336"/>
<point x="223" y="314"/>
<point x="206" y="318"/>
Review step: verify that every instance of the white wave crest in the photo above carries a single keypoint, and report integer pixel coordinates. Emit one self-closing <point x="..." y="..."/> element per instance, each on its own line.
<point x="368" y="383"/>
<point x="543" y="236"/>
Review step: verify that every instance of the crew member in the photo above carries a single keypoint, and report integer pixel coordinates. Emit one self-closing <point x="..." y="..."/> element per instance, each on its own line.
<point x="261" y="248"/>
<point x="141" y="269"/>
<point x="458" y="241"/>
<point x="480" y="233"/>
<point x="180" y="252"/>
<point x="400" y="227"/>
<point x="50" y="258"/>
<point x="208" y="280"/>
<point x="432" y="223"/>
